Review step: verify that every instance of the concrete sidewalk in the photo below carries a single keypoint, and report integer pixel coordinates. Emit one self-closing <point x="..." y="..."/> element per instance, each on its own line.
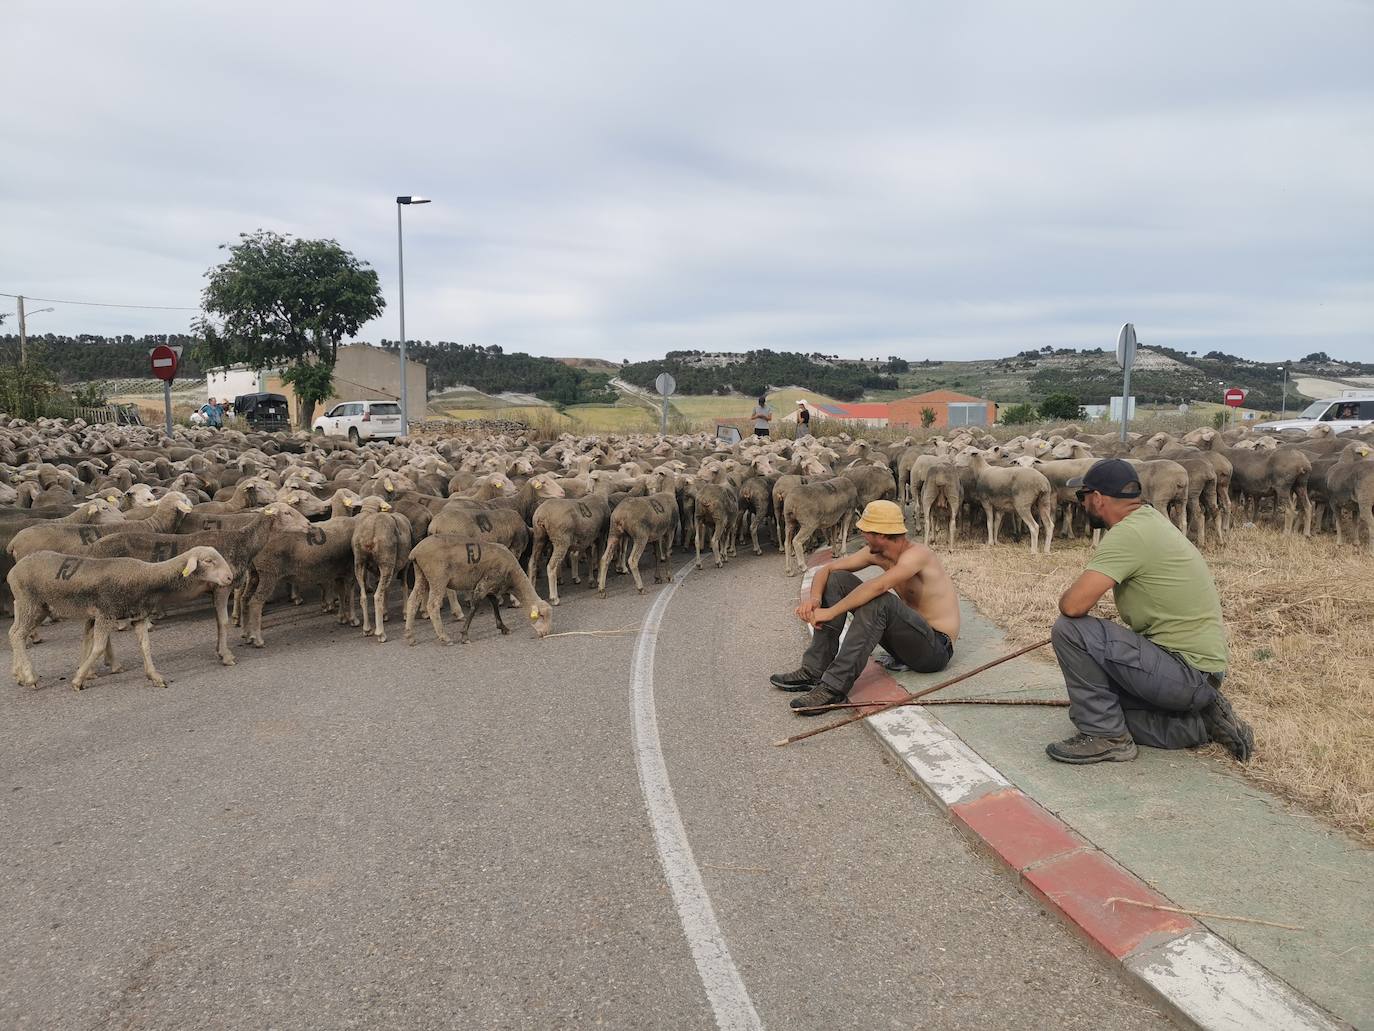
<point x="1188" y="825"/>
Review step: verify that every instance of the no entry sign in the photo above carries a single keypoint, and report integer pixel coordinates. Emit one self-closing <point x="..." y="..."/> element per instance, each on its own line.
<point x="1235" y="397"/>
<point x="164" y="362"/>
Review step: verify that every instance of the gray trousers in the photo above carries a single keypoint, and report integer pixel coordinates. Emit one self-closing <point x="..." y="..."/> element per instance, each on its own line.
<point x="1120" y="683"/>
<point x="884" y="620"/>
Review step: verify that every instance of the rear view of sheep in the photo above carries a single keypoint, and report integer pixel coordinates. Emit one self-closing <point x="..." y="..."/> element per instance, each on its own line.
<point x="477" y="569"/>
<point x="100" y="591"/>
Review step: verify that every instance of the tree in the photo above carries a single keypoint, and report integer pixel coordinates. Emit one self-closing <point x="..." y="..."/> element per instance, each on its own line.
<point x="285" y="301"/>
<point x="896" y="365"/>
<point x="1318" y="356"/>
<point x="1060" y="406"/>
<point x="927" y="418"/>
<point x="1013" y="415"/>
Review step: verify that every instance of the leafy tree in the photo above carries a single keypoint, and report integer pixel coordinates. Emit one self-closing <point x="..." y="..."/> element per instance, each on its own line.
<point x="1014" y="415"/>
<point x="26" y="389"/>
<point x="927" y="418"/>
<point x="895" y="365"/>
<point x="286" y="301"/>
<point x="1060" y="406"/>
<point x="1318" y="356"/>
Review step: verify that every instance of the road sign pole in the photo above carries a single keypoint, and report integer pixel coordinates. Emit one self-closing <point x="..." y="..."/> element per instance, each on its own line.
<point x="663" y="418"/>
<point x="167" y="403"/>
<point x="1125" y="357"/>
<point x="1125" y="403"/>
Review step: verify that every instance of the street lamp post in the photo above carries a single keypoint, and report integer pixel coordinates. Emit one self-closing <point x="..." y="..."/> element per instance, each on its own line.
<point x="401" y="279"/>
<point x="24" y="329"/>
<point x="1283" y="413"/>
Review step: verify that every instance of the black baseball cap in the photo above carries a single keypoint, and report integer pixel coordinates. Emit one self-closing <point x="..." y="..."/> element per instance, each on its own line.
<point x="1111" y="477"/>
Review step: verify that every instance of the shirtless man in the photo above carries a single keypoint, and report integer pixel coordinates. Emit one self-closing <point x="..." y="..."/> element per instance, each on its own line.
<point x="911" y="609"/>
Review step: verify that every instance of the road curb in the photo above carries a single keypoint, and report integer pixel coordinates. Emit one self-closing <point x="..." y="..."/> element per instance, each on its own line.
<point x="1182" y="964"/>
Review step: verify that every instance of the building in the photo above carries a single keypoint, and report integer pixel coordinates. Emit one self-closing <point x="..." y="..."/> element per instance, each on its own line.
<point x="950" y="408"/>
<point x="362" y="373"/>
<point x="871" y="414"/>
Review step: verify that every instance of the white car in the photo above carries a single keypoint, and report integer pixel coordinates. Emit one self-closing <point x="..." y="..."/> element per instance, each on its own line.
<point x="361" y="420"/>
<point x="1340" y="413"/>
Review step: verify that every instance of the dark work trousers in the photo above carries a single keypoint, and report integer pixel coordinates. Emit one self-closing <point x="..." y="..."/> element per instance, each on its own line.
<point x="885" y="620"/>
<point x="1119" y="682"/>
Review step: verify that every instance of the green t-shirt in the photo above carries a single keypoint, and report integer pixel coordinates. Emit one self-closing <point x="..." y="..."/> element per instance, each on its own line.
<point x="1164" y="590"/>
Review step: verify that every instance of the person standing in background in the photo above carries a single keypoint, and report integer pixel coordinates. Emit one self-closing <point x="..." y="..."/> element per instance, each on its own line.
<point x="762" y="416"/>
<point x="803" y="419"/>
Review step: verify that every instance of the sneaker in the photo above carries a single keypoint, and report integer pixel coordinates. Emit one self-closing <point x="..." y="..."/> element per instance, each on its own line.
<point x="797" y="680"/>
<point x="807" y="704"/>
<point x="1084" y="748"/>
<point x="1227" y="729"/>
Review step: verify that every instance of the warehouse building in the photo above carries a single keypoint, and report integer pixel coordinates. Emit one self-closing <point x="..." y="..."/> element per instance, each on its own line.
<point x="951" y="410"/>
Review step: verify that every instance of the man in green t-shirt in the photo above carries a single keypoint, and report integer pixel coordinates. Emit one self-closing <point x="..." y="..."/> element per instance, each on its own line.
<point x="1157" y="680"/>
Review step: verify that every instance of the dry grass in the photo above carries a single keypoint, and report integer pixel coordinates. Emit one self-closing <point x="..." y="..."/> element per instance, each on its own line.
<point x="1298" y="616"/>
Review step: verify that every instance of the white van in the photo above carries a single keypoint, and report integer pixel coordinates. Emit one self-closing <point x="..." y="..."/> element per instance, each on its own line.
<point x="361" y="420"/>
<point x="1350" y="411"/>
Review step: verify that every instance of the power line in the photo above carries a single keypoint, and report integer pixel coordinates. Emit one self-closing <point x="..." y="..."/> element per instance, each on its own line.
<point x="101" y="304"/>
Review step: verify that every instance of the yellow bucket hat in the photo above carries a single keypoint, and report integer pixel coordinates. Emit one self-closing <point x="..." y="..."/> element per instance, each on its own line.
<point x="882" y="517"/>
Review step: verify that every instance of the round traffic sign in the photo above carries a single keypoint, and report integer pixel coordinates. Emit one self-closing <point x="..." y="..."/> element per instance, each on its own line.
<point x="1234" y="396"/>
<point x="665" y="384"/>
<point x="164" y="362"/>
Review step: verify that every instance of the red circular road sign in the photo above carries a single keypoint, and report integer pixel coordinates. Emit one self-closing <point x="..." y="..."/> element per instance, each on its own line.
<point x="1234" y="396"/>
<point x="164" y="362"/>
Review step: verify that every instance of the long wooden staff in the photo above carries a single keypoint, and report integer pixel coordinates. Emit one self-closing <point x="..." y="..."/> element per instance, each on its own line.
<point x="884" y="706"/>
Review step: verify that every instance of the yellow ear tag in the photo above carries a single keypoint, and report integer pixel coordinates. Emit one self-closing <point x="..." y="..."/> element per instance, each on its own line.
<point x="534" y="614"/>
<point x="112" y="499"/>
<point x="186" y="571"/>
<point x="269" y="510"/>
<point x="389" y="486"/>
<point x="386" y="507"/>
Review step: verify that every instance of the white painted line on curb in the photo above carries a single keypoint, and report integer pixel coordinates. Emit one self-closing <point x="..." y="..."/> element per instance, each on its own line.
<point x="938" y="757"/>
<point x="1221" y="989"/>
<point x="719" y="976"/>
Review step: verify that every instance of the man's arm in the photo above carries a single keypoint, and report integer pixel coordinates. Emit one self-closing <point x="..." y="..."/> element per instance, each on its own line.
<point x="1084" y="593"/>
<point x="861" y="559"/>
<point x="913" y="560"/>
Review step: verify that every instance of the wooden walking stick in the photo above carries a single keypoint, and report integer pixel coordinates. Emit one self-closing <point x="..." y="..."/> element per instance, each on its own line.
<point x="884" y="706"/>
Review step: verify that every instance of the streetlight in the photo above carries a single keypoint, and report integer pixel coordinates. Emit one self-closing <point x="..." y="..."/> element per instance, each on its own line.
<point x="24" y="330"/>
<point x="1283" y="414"/>
<point x="401" y="269"/>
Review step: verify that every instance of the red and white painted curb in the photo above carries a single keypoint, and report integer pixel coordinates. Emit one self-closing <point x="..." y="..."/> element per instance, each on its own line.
<point x="1197" y="974"/>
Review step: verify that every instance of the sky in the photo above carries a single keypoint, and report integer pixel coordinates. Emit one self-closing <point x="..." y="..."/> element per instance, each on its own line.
<point x="926" y="180"/>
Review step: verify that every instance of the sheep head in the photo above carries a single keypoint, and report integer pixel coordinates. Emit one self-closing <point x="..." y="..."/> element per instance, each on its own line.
<point x="208" y="565"/>
<point x="541" y="615"/>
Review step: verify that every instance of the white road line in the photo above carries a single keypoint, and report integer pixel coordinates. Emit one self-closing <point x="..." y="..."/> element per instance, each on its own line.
<point x="724" y="987"/>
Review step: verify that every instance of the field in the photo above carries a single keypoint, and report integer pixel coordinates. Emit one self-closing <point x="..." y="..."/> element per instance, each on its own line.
<point x="1297" y="615"/>
<point x="703" y="410"/>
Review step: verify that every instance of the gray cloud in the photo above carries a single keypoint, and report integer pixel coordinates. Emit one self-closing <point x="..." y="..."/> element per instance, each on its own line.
<point x="616" y="180"/>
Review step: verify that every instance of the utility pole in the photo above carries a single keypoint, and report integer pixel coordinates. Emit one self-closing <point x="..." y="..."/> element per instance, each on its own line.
<point x="23" y="335"/>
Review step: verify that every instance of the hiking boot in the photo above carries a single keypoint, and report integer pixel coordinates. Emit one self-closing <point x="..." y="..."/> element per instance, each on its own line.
<point x="807" y="704"/>
<point x="1227" y="729"/>
<point x="1084" y="748"/>
<point x="797" y="680"/>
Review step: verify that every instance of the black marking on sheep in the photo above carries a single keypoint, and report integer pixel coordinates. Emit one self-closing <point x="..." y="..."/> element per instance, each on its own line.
<point x="314" y="536"/>
<point x="583" y="510"/>
<point x="68" y="568"/>
<point x="163" y="550"/>
<point x="656" y="505"/>
<point x="483" y="523"/>
<point x="474" y="554"/>
<point x="88" y="534"/>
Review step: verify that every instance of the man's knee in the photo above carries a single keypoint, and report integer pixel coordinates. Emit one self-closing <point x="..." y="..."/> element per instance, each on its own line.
<point x="1068" y="630"/>
<point x="838" y="584"/>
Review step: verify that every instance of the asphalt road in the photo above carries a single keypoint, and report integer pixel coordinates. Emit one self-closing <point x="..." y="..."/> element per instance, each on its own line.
<point x="341" y="834"/>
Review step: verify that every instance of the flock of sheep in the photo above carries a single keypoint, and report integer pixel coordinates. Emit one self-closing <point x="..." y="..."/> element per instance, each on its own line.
<point x="115" y="525"/>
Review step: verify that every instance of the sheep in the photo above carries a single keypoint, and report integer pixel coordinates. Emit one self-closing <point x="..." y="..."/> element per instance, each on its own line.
<point x="238" y="547"/>
<point x="69" y="538"/>
<point x="321" y="555"/>
<point x="569" y="526"/>
<point x="812" y="507"/>
<point x="652" y="518"/>
<point x="942" y="486"/>
<point x="101" y="591"/>
<point x="381" y="541"/>
<point x="478" y="569"/>
<point x="871" y="483"/>
<point x="1023" y="491"/>
<point x="718" y="506"/>
<point x="1256" y="474"/>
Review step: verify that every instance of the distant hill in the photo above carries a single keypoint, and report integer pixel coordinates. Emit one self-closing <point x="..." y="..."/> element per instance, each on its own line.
<point x="753" y="372"/>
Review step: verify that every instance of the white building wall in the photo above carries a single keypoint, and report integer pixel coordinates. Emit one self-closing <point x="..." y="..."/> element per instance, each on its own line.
<point x="231" y="382"/>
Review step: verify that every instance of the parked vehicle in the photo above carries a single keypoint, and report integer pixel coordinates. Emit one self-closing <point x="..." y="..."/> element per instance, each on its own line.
<point x="266" y="412"/>
<point x="1340" y="413"/>
<point x="361" y="420"/>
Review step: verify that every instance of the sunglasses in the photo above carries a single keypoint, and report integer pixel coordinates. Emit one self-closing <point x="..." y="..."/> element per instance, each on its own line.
<point x="1082" y="493"/>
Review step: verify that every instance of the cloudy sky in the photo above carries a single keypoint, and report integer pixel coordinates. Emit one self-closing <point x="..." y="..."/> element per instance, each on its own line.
<point x="616" y="179"/>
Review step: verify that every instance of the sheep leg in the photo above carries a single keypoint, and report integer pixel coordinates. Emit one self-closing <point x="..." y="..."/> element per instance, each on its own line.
<point x="987" y="511"/>
<point x="1047" y="521"/>
<point x="467" y="622"/>
<point x="1290" y="510"/>
<point x="341" y="590"/>
<point x="574" y="555"/>
<point x="800" y="539"/>
<point x="1028" y="518"/>
<point x="379" y="599"/>
<point x="412" y="604"/>
<point x="100" y="637"/>
<point x="455" y="608"/>
<point x="226" y="657"/>
<point x="718" y="531"/>
<point x="560" y="550"/>
<point x="145" y="646"/>
<point x="360" y="574"/>
<point x="924" y="514"/>
<point x="252" y="627"/>
<point x="496" y="611"/>
<point x="536" y="552"/>
<point x="1307" y="508"/>
<point x="699" y="528"/>
<point x="953" y="519"/>
<point x="611" y="545"/>
<point x="779" y="537"/>
<point x="26" y="617"/>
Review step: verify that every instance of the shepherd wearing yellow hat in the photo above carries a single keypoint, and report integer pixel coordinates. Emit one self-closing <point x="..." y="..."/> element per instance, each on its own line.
<point x="911" y="609"/>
